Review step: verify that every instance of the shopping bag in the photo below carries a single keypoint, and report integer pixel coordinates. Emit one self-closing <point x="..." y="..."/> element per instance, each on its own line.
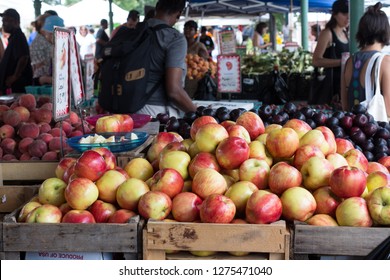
<point x="207" y="89"/>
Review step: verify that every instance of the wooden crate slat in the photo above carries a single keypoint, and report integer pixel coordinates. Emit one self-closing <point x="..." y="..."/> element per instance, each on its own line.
<point x="12" y="197"/>
<point x="347" y="241"/>
<point x="28" y="170"/>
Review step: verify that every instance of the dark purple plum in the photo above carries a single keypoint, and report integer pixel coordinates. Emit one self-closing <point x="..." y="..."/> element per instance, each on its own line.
<point x="379" y="156"/>
<point x="346" y="122"/>
<point x="370" y="129"/>
<point x="360" y="120"/>
<point x="189" y="117"/>
<point x="307" y="111"/>
<point x="368" y="145"/>
<point x="264" y="111"/>
<point x="382" y="133"/>
<point x="163" y="118"/>
<point x="369" y="156"/>
<point x="290" y="108"/>
<point x="311" y="123"/>
<point x="199" y="110"/>
<point x="332" y="121"/>
<point x="358" y="109"/>
<point x="320" y="118"/>
<point x="338" y="114"/>
<point x="299" y="115"/>
<point x="338" y="131"/>
<point x="172" y="125"/>
<point x="379" y="141"/>
<point x="358" y="137"/>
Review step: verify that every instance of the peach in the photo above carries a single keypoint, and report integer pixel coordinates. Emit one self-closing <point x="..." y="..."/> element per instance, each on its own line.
<point x="3" y="108"/>
<point x="75" y="133"/>
<point x="66" y="126"/>
<point x="7" y="131"/>
<point x="24" y="143"/>
<point x="56" y="132"/>
<point x="47" y="105"/>
<point x="25" y="156"/>
<point x="1" y="152"/>
<point x="43" y="115"/>
<point x="29" y="130"/>
<point x="44" y="127"/>
<point x="37" y="148"/>
<point x="14" y="105"/>
<point x="11" y="117"/>
<point x="23" y="112"/>
<point x="28" y="100"/>
<point x="74" y="118"/>
<point x="45" y="137"/>
<point x="42" y="100"/>
<point x="9" y="157"/>
<point x="50" y="155"/>
<point x="87" y="128"/>
<point x="8" y="145"/>
<point x="55" y="144"/>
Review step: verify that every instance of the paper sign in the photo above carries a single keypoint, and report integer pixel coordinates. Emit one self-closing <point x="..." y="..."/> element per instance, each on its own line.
<point x="75" y="70"/>
<point x="227" y="42"/>
<point x="61" y="74"/>
<point x="229" y="73"/>
<point x="89" y="61"/>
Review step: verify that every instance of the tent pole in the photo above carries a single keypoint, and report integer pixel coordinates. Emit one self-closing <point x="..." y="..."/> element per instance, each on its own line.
<point x="110" y="15"/>
<point x="304" y="12"/>
<point x="356" y="10"/>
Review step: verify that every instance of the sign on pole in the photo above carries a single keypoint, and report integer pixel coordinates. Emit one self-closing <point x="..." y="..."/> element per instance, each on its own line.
<point x="76" y="73"/>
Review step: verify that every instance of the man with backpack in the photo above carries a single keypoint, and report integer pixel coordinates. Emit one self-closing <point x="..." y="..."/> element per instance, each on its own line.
<point x="163" y="67"/>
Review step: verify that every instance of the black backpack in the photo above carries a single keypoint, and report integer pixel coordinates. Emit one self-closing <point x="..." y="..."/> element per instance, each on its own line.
<point x="124" y="71"/>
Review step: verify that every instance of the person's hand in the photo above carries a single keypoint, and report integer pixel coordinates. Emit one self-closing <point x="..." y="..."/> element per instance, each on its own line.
<point x="10" y="80"/>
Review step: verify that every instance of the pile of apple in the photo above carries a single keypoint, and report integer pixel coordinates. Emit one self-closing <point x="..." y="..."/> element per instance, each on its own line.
<point x="28" y="132"/>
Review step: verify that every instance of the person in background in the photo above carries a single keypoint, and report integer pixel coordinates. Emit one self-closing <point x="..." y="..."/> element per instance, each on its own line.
<point x="132" y="20"/>
<point x="42" y="48"/>
<point x="258" y="41"/>
<point x="334" y="38"/>
<point x="51" y="12"/>
<point x="86" y="41"/>
<point x="239" y="36"/>
<point x="149" y="12"/>
<point x="2" y="47"/>
<point x="168" y="63"/>
<point x="15" y="66"/>
<point x="372" y="35"/>
<point x="101" y="38"/>
<point x="315" y="30"/>
<point x="33" y="33"/>
<point x="206" y="39"/>
<point x="193" y="45"/>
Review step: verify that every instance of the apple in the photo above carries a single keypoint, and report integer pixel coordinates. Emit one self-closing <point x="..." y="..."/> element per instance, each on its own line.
<point x="108" y="156"/>
<point x="90" y="165"/>
<point x="252" y="123"/>
<point x="329" y="137"/>
<point x="303" y="153"/>
<point x="121" y="216"/>
<point x="232" y="173"/>
<point x="168" y="181"/>
<point x="343" y="145"/>
<point x="322" y="220"/>
<point x="227" y="123"/>
<point x="174" y="146"/>
<point x="298" y="204"/>
<point x="385" y="161"/>
<point x="139" y="168"/>
<point x="26" y="209"/>
<point x="197" y="253"/>
<point x="232" y="152"/>
<point x="208" y="181"/>
<point x="107" y="124"/>
<point x="159" y="142"/>
<point x="347" y="181"/>
<point x="198" y="123"/>
<point x="258" y="150"/>
<point x="262" y="138"/>
<point x="45" y="213"/>
<point x="270" y="127"/>
<point x="65" y="208"/>
<point x="283" y="176"/>
<point x="108" y="184"/>
<point x="122" y="171"/>
<point x="209" y="136"/>
<point x="239" y="131"/>
<point x="101" y="210"/>
<point x="316" y="172"/>
<point x="64" y="164"/>
<point x="239" y="193"/>
<point x="126" y="122"/>
<point x="155" y="205"/>
<point x="193" y="150"/>
<point x="178" y="160"/>
<point x="263" y="207"/>
<point x="129" y="193"/>
<point x="185" y="207"/>
<point x="376" y="166"/>
<point x="51" y="191"/>
<point x="78" y="217"/>
<point x="337" y="160"/>
<point x="68" y="174"/>
<point x="187" y="143"/>
<point x="353" y="212"/>
<point x="217" y="208"/>
<point x="326" y="200"/>
<point x="379" y="206"/>
<point x="315" y="137"/>
<point x="300" y="126"/>
<point x="357" y="159"/>
<point x="80" y="193"/>
<point x="202" y="160"/>
<point x="255" y="171"/>
<point x="377" y="179"/>
<point x="277" y="140"/>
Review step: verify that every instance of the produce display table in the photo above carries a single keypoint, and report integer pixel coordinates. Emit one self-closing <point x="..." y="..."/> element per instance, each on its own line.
<point x="26" y="170"/>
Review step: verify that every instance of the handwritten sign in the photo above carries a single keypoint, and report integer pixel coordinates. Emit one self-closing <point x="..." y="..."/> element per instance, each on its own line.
<point x="61" y="74"/>
<point x="75" y="70"/>
<point x="227" y="42"/>
<point x="89" y="62"/>
<point x="229" y="73"/>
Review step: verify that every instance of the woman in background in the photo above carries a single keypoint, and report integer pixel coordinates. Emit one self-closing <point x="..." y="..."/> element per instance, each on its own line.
<point x="258" y="41"/>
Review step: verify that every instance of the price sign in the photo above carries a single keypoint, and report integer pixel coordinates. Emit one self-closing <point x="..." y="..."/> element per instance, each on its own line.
<point x="227" y="42"/>
<point x="89" y="61"/>
<point x="61" y="74"/>
<point x="229" y="73"/>
<point x="75" y="68"/>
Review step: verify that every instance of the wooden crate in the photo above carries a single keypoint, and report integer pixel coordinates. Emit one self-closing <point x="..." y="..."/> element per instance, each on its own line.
<point x="28" y="171"/>
<point x="336" y="241"/>
<point x="123" y="158"/>
<point x="64" y="237"/>
<point x="263" y="241"/>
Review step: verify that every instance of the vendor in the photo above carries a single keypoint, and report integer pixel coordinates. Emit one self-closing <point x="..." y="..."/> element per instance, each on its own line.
<point x="193" y="45"/>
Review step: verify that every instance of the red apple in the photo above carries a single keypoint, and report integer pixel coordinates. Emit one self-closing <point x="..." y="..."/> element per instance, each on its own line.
<point x="337" y="160"/>
<point x="379" y="206"/>
<point x="126" y="122"/>
<point x="385" y="161"/>
<point x="207" y="182"/>
<point x="232" y="152"/>
<point x="79" y="217"/>
<point x="357" y="159"/>
<point x="353" y="212"/>
<point x="178" y="160"/>
<point x="209" y="136"/>
<point x="343" y="145"/>
<point x="80" y="193"/>
<point x="374" y="166"/>
<point x="322" y="220"/>
<point x="121" y="216"/>
<point x="252" y="123"/>
<point x="300" y="126"/>
<point x="283" y="176"/>
<point x="90" y="165"/>
<point x="263" y="207"/>
<point x="185" y="207"/>
<point x="159" y="142"/>
<point x="239" y="193"/>
<point x="298" y="204"/>
<point x="316" y="138"/>
<point x="326" y="200"/>
<point x="139" y="168"/>
<point x="329" y="137"/>
<point x="316" y="173"/>
<point x="199" y="122"/>
<point x="26" y="209"/>
<point x="108" y="184"/>
<point x="202" y="160"/>
<point x="255" y="171"/>
<point x="277" y="140"/>
<point x="239" y="131"/>
<point x="168" y="181"/>
<point x="107" y="124"/>
<point x="347" y="181"/>
<point x="377" y="179"/>
<point x="63" y="165"/>
<point x="258" y="150"/>
<point x="217" y="208"/>
<point x="108" y="156"/>
<point x="155" y="205"/>
<point x="303" y="153"/>
<point x="101" y="210"/>
<point x="46" y="213"/>
<point x="129" y="193"/>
